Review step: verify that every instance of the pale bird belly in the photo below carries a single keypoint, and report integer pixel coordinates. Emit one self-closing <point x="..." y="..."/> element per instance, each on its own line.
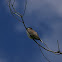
<point x="29" y="35"/>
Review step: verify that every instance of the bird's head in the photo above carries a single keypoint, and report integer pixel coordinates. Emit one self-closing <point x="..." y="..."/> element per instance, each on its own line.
<point x="29" y="28"/>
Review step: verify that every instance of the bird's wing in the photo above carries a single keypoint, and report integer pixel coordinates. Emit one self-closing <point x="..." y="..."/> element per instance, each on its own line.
<point x="33" y="34"/>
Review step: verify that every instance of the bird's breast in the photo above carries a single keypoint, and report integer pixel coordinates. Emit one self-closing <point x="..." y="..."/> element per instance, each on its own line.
<point x="29" y="35"/>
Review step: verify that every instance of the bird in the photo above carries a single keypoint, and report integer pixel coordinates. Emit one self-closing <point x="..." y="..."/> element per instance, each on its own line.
<point x="32" y="34"/>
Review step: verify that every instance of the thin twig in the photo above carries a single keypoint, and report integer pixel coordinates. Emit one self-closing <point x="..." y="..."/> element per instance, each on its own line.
<point x="44" y="55"/>
<point x="25" y="7"/>
<point x="44" y="43"/>
<point x="47" y="49"/>
<point x="58" y="47"/>
<point x="16" y="13"/>
<point x="12" y="12"/>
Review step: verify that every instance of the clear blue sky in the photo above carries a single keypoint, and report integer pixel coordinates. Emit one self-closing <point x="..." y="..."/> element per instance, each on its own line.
<point x="44" y="16"/>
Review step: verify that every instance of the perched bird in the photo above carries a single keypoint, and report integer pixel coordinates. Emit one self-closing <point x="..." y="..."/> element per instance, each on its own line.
<point x="33" y="34"/>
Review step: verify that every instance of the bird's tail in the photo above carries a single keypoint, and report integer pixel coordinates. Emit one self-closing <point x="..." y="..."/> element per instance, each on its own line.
<point x="44" y="43"/>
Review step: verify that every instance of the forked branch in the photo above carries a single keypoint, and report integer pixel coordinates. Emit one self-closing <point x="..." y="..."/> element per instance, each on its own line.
<point x="55" y="52"/>
<point x="14" y="12"/>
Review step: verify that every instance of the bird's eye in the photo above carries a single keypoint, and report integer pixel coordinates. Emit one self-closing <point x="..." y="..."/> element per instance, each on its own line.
<point x="30" y="27"/>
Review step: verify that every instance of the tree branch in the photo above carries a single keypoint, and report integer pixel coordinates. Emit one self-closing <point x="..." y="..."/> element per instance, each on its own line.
<point x="44" y="55"/>
<point x="15" y="14"/>
<point x="55" y="52"/>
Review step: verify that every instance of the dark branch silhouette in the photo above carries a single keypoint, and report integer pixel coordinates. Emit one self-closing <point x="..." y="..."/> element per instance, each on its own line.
<point x="55" y="52"/>
<point x="58" y="47"/>
<point x="15" y="14"/>
<point x="44" y="55"/>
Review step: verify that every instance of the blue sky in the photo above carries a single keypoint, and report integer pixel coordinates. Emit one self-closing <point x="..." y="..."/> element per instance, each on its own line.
<point x="44" y="16"/>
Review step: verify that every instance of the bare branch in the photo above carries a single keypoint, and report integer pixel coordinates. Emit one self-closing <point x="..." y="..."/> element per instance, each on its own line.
<point x="58" y="47"/>
<point x="14" y="12"/>
<point x="44" y="43"/>
<point x="44" y="55"/>
<point x="55" y="52"/>
<point x="25" y="8"/>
